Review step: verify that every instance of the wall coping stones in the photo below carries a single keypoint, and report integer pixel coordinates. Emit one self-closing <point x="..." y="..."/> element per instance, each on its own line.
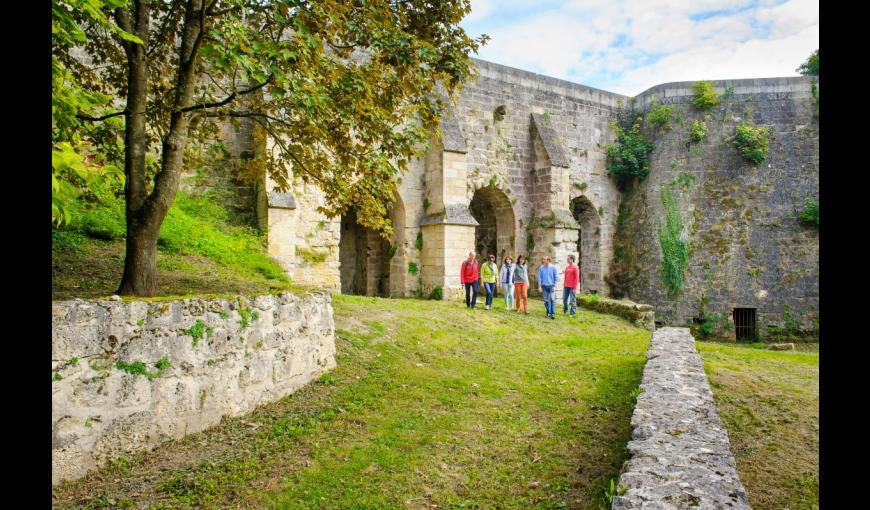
<point x="550" y="140"/>
<point x="454" y="214"/>
<point x="797" y="85"/>
<point x="680" y="454"/>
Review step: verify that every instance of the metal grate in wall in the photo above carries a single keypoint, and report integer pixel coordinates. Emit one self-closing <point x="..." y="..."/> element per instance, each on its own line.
<point x="744" y="324"/>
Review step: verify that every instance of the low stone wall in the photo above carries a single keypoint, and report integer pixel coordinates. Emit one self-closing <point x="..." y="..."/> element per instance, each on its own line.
<point x="640" y="315"/>
<point x="680" y="454"/>
<point x="188" y="364"/>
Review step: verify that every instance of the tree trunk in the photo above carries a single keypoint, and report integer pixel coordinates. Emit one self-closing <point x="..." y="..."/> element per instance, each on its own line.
<point x="145" y="214"/>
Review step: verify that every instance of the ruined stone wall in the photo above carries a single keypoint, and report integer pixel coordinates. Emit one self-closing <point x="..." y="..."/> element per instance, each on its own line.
<point x="100" y="412"/>
<point x="680" y="453"/>
<point x="747" y="246"/>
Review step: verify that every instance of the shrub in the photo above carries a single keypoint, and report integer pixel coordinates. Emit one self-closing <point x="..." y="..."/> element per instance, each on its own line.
<point x="437" y="294"/>
<point x="418" y="243"/>
<point x="752" y="141"/>
<point x="628" y="157"/>
<point x="810" y="213"/>
<point x="705" y="96"/>
<point x="675" y="248"/>
<point x="660" y="115"/>
<point x="697" y="131"/>
<point x="412" y="268"/>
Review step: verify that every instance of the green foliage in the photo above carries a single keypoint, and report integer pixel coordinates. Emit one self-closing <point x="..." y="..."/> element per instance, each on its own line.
<point x="674" y="243"/>
<point x="580" y="185"/>
<point x="811" y="66"/>
<point x="426" y="203"/>
<point x="418" y="243"/>
<point x="57" y="376"/>
<point x="611" y="492"/>
<point x="628" y="157"/>
<point x="73" y="361"/>
<point x="311" y="256"/>
<point x="248" y="316"/>
<point x="684" y="180"/>
<point x="198" y="330"/>
<point x="705" y="95"/>
<point x="814" y="90"/>
<point x="660" y="115"/>
<point x="224" y="314"/>
<point x="810" y="212"/>
<point x="752" y="141"/>
<point x="697" y="131"/>
<point x="412" y="268"/>
<point x="530" y="242"/>
<point x="134" y="368"/>
<point x="498" y="113"/>
<point x="392" y="251"/>
<point x="162" y="364"/>
<point x="729" y="92"/>
<point x="707" y="323"/>
<point x="437" y="294"/>
<point x="632" y="396"/>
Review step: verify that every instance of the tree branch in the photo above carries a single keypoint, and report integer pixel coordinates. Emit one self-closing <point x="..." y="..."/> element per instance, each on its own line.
<point x="228" y="99"/>
<point x="98" y="119"/>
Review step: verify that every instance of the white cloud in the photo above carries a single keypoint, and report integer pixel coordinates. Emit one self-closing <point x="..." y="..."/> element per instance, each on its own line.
<point x="700" y="39"/>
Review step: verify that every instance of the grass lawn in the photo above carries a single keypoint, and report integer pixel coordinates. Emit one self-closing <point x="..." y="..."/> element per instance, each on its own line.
<point x="431" y="406"/>
<point x="769" y="404"/>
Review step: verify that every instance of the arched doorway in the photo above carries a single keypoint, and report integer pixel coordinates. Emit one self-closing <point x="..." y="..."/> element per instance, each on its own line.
<point x="495" y="233"/>
<point x="588" y="244"/>
<point x="363" y="256"/>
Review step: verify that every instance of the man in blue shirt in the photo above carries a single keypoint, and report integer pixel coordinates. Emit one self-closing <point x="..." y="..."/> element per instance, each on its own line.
<point x="547" y="276"/>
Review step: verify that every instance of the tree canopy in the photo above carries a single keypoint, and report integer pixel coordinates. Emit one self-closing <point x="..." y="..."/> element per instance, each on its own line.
<point x="811" y="66"/>
<point x="348" y="92"/>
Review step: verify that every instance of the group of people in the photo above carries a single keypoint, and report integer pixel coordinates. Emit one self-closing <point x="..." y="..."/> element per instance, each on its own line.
<point x="514" y="279"/>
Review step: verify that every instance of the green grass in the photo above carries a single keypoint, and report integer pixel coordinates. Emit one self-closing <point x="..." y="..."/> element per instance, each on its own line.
<point x="769" y="404"/>
<point x="201" y="250"/>
<point x="430" y="404"/>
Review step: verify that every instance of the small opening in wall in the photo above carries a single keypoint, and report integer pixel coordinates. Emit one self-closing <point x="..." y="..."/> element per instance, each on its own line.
<point x="498" y="113"/>
<point x="744" y="324"/>
<point x="659" y="324"/>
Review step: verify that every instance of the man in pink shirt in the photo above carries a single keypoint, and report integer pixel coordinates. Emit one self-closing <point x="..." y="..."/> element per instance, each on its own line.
<point x="572" y="281"/>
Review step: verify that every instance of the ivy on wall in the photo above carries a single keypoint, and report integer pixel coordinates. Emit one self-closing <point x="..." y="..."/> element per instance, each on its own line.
<point x="674" y="241"/>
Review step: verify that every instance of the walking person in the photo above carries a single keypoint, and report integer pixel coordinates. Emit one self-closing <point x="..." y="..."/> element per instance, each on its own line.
<point x="489" y="277"/>
<point x="547" y="275"/>
<point x="572" y="282"/>
<point x="521" y="283"/>
<point x="468" y="277"/>
<point x="506" y="279"/>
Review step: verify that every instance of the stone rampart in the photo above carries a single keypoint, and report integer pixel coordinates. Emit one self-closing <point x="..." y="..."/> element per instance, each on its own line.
<point x="127" y="376"/>
<point x="680" y="454"/>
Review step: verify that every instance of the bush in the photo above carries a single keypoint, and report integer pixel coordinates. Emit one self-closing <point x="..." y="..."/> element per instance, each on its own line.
<point x="752" y="141"/>
<point x="660" y="115"/>
<point x="629" y="156"/>
<point x="697" y="131"/>
<point x="705" y="96"/>
<point x="437" y="294"/>
<point x="810" y="213"/>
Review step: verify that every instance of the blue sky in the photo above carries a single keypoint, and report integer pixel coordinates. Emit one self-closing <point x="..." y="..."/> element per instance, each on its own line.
<point x="629" y="46"/>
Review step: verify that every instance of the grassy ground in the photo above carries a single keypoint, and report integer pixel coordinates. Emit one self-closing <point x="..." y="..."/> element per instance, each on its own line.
<point x="431" y="406"/>
<point x="769" y="404"/>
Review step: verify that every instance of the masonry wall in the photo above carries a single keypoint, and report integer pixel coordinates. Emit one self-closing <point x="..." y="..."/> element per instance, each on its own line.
<point x="747" y="247"/>
<point x="100" y="412"/>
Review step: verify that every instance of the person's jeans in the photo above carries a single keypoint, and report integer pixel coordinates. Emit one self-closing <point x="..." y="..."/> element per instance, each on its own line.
<point x="569" y="296"/>
<point x="549" y="299"/>
<point x="471" y="294"/>
<point x="490" y="292"/>
<point x="508" y="295"/>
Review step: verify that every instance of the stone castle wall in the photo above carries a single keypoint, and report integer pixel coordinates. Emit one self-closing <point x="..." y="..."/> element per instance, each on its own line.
<point x="100" y="412"/>
<point x="747" y="246"/>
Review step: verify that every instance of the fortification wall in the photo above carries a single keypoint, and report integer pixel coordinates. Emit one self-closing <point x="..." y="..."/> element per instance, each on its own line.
<point x="225" y="357"/>
<point x="747" y="246"/>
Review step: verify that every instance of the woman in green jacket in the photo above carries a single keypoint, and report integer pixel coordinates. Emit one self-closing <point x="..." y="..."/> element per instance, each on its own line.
<point x="489" y="277"/>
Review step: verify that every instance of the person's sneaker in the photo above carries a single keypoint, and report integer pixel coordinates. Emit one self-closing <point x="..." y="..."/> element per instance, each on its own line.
<point x="487" y="307"/>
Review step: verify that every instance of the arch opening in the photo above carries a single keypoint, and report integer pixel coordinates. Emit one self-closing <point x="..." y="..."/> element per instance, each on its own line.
<point x="363" y="257"/>
<point x="588" y="244"/>
<point x="495" y="234"/>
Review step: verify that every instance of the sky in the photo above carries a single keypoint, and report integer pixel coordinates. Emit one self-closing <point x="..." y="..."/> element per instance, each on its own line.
<point x="629" y="46"/>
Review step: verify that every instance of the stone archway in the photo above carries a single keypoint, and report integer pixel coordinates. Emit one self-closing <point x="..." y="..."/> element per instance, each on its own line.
<point x="363" y="257"/>
<point x="496" y="232"/>
<point x="588" y="244"/>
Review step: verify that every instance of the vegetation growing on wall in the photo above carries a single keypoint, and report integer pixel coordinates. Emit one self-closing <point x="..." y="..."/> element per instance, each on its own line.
<point x="628" y="157"/>
<point x="752" y="141"/>
<point x="810" y="212"/>
<point x="660" y="115"/>
<point x="811" y="66"/>
<point x="311" y="256"/>
<point x="674" y="242"/>
<point x="705" y="95"/>
<point x="697" y="131"/>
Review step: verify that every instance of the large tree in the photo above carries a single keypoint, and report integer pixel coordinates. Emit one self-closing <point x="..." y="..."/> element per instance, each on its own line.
<point x="348" y="91"/>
